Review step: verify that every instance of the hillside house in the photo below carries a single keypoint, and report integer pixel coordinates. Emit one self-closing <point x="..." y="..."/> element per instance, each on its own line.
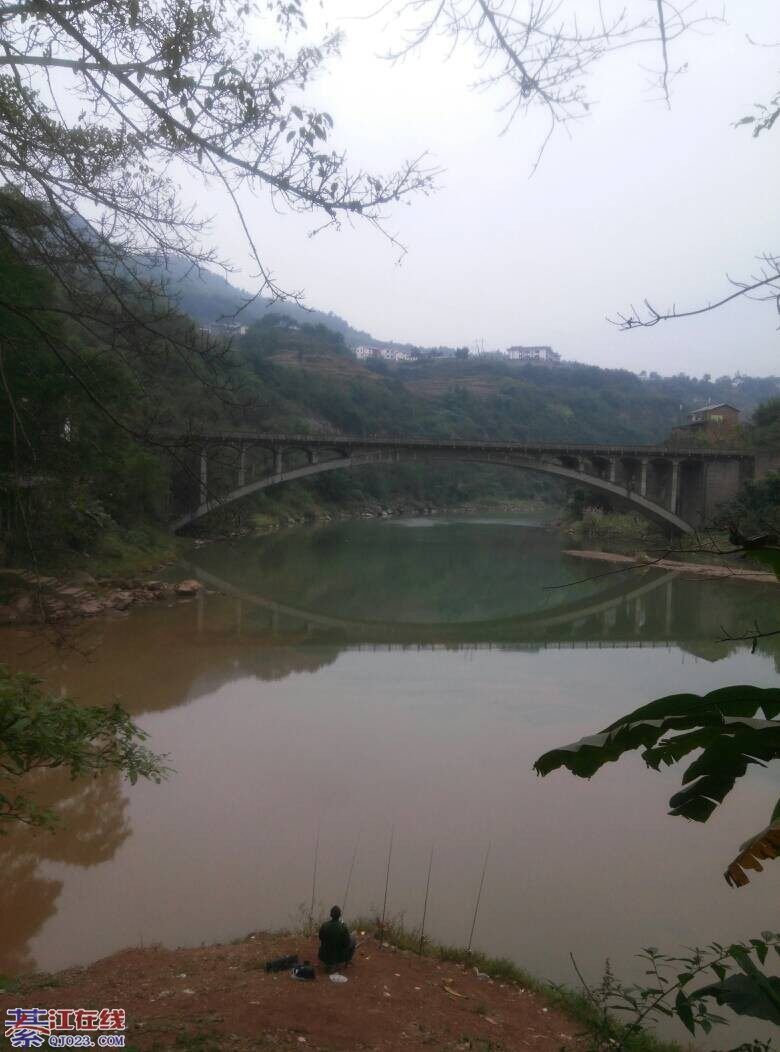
<point x="721" y="415"/>
<point x="710" y="423"/>
<point x="541" y="353"/>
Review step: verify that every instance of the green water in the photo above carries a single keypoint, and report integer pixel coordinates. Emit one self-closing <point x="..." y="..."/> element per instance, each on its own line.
<point x="405" y="674"/>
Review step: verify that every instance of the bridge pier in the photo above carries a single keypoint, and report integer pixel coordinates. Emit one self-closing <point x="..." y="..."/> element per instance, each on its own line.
<point x="599" y="467"/>
<point x="629" y="474"/>
<point x="722" y="481"/>
<point x="277" y="462"/>
<point x="241" y="466"/>
<point x="643" y="477"/>
<point x="668" y="608"/>
<point x="691" y="499"/>
<point x="204" y="477"/>
<point x="674" y="491"/>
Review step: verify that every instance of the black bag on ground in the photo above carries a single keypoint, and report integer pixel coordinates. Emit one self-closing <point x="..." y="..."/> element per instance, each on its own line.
<point x="282" y="964"/>
<point x="304" y="971"/>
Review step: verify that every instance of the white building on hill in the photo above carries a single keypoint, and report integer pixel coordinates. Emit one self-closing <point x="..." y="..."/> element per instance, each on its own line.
<point x="385" y="354"/>
<point x="533" y="354"/>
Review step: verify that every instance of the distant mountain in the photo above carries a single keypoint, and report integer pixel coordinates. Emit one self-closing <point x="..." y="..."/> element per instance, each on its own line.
<point x="210" y="298"/>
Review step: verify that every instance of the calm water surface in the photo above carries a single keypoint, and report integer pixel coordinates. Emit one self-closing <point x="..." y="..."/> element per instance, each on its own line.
<point x="407" y="673"/>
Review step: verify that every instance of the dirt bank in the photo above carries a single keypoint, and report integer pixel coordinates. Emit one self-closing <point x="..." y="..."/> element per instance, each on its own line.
<point x="688" y="569"/>
<point x="220" y="997"/>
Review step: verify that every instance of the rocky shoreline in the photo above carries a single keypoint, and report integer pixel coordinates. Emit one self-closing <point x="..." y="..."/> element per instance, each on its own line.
<point x="50" y="600"/>
<point x="381" y="511"/>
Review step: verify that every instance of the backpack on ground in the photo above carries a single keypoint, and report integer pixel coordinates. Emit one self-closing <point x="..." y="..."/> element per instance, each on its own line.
<point x="282" y="964"/>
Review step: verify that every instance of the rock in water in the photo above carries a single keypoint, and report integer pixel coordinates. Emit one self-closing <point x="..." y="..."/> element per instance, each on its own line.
<point x="189" y="587"/>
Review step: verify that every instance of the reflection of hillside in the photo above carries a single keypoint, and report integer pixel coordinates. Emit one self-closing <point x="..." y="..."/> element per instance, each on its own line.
<point x="442" y="573"/>
<point x="160" y="657"/>
<point x="94" y="826"/>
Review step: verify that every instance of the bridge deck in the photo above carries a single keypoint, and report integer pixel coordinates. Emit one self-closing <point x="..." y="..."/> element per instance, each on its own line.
<point x="388" y="441"/>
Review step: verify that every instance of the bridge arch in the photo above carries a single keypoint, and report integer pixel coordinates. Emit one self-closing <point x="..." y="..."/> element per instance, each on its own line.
<point x="644" y="505"/>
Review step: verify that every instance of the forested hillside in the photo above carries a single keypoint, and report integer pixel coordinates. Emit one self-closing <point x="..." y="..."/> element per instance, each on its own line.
<point x="308" y="380"/>
<point x="85" y="436"/>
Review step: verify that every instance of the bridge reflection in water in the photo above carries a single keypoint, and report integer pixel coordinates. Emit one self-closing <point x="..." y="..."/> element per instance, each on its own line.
<point x="641" y="610"/>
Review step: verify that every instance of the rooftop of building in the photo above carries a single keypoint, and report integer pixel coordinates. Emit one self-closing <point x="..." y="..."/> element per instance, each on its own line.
<point x="719" y="405"/>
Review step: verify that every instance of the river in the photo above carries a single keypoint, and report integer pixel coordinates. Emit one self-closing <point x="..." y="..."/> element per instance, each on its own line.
<point x="348" y="680"/>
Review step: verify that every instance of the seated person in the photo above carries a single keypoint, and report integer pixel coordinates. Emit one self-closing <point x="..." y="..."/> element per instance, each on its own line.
<point x="337" y="945"/>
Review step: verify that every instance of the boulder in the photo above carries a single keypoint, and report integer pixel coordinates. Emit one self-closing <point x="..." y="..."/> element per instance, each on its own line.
<point x="159" y="589"/>
<point x="81" y="577"/>
<point x="90" y="608"/>
<point x="120" y="600"/>
<point x="188" y="587"/>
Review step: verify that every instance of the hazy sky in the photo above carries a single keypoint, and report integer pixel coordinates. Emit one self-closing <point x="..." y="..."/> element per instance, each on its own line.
<point x="638" y="201"/>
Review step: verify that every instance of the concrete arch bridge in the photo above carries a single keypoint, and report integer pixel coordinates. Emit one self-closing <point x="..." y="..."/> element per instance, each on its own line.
<point x="676" y="488"/>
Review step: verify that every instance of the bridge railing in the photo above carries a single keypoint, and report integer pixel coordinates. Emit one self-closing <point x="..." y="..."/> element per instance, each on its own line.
<point x="279" y="439"/>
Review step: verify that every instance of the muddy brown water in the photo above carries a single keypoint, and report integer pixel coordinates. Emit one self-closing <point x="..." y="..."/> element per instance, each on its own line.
<point x="360" y="677"/>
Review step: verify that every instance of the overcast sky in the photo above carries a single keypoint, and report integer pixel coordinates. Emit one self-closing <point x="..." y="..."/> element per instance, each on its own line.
<point x="638" y="201"/>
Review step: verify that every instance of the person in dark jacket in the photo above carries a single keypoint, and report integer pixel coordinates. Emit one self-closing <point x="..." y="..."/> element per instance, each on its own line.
<point x="337" y="945"/>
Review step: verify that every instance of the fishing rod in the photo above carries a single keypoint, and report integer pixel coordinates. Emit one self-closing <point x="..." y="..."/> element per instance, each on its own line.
<point x="314" y="876"/>
<point x="387" y="882"/>
<point x="349" y="876"/>
<point x="479" y="896"/>
<point x="425" y="905"/>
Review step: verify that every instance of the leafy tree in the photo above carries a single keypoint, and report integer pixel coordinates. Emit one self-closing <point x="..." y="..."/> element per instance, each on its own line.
<point x="765" y="426"/>
<point x="162" y="81"/>
<point x="38" y="730"/>
<point x="756" y="509"/>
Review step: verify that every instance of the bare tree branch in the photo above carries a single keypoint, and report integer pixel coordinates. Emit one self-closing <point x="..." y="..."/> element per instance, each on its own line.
<point x="541" y="51"/>
<point x="763" y="286"/>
